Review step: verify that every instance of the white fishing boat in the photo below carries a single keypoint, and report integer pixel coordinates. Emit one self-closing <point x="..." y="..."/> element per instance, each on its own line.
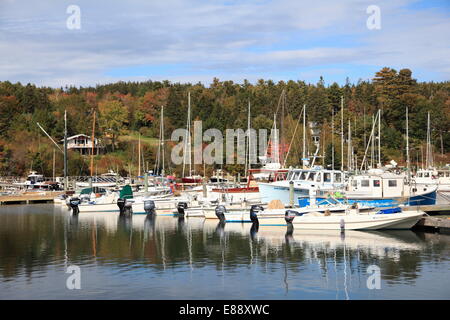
<point x="304" y="180"/>
<point x="433" y="177"/>
<point x="352" y="219"/>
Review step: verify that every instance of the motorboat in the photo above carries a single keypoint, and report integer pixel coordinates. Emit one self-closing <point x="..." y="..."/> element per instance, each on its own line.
<point x="351" y="219"/>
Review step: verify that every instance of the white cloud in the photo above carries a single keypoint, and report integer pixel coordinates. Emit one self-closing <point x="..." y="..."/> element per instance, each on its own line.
<point x="230" y="41"/>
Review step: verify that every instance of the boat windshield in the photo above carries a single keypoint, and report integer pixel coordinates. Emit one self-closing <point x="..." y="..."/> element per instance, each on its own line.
<point x="303" y="175"/>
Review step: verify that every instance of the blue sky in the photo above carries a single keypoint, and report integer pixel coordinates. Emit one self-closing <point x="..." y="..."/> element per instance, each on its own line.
<point x="197" y="40"/>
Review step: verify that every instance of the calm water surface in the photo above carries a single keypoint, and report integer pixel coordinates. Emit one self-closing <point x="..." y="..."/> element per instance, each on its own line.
<point x="165" y="258"/>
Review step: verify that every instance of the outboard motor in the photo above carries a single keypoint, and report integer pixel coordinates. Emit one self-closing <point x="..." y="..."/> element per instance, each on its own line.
<point x="149" y="207"/>
<point x="342" y="225"/>
<point x="254" y="230"/>
<point x="125" y="207"/>
<point x="289" y="232"/>
<point x="181" y="207"/>
<point x="121" y="205"/>
<point x="74" y="202"/>
<point x="289" y="216"/>
<point x="220" y="212"/>
<point x="254" y="210"/>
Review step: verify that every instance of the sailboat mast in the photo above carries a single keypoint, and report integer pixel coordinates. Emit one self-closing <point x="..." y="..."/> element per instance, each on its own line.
<point x="65" y="151"/>
<point x="379" y="138"/>
<point x="275" y="148"/>
<point x="304" y="135"/>
<point x="332" y="140"/>
<point x="189" y="135"/>
<point x="247" y="164"/>
<point x="93" y="145"/>
<point x="407" y="143"/>
<point x="162" y="139"/>
<point x="342" y="133"/>
<point x="139" y="155"/>
<point x="349" y="149"/>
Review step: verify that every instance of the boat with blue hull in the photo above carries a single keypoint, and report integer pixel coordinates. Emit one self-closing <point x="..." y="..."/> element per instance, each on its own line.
<point x="376" y="188"/>
<point x="420" y="200"/>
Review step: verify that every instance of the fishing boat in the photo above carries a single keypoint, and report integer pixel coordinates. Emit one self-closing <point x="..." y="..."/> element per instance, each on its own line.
<point x="352" y="219"/>
<point x="439" y="177"/>
<point x="384" y="189"/>
<point x="304" y="180"/>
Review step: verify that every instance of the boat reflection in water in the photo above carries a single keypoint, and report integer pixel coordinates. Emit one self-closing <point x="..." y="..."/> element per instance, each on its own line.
<point x="157" y="257"/>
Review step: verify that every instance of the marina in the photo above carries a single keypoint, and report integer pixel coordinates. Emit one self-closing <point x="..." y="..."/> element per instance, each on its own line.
<point x="225" y="150"/>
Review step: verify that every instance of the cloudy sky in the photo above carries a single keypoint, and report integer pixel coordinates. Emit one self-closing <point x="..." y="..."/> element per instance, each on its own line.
<point x="196" y="40"/>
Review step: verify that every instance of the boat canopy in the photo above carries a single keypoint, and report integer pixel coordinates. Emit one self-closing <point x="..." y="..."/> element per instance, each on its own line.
<point x="126" y="192"/>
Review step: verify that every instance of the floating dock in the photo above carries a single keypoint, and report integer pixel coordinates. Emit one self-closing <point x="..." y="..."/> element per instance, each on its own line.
<point x="31" y="197"/>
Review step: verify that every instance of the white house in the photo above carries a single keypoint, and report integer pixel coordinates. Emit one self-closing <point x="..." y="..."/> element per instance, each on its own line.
<point x="83" y="144"/>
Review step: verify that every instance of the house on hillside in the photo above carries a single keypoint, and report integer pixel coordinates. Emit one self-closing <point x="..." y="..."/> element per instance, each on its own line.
<point x="83" y="144"/>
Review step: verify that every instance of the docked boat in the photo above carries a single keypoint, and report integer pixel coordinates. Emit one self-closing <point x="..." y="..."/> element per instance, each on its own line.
<point x="352" y="219"/>
<point x="304" y="181"/>
<point x="385" y="189"/>
<point x="36" y="181"/>
<point x="162" y="204"/>
<point x="430" y="177"/>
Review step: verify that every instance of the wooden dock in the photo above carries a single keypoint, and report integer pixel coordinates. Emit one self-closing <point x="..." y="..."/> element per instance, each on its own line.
<point x="434" y="224"/>
<point x="432" y="209"/>
<point x="30" y="197"/>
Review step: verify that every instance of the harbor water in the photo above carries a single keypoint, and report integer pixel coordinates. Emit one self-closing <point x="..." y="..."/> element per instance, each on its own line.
<point x="193" y="258"/>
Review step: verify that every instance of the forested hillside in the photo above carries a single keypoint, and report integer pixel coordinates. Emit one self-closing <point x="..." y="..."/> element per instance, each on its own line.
<point x="126" y="108"/>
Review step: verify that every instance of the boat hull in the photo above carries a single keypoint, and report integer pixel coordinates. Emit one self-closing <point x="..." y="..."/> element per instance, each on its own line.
<point x="397" y="221"/>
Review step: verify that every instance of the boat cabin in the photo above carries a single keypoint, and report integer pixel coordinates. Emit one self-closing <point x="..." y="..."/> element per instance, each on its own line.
<point x="319" y="176"/>
<point x="378" y="186"/>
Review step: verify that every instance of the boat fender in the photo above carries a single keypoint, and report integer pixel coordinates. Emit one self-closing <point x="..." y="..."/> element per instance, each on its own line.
<point x="254" y="210"/>
<point x="74" y="202"/>
<point x="149" y="206"/>
<point x="220" y="212"/>
<point x="342" y="225"/>
<point x="181" y="207"/>
<point x="289" y="215"/>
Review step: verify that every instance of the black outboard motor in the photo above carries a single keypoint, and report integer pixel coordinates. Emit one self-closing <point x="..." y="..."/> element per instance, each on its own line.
<point x="121" y="205"/>
<point x="290" y="215"/>
<point x="220" y="212"/>
<point x="74" y="202"/>
<point x="181" y="207"/>
<point x="254" y="230"/>
<point x="125" y="207"/>
<point x="254" y="210"/>
<point x="289" y="232"/>
<point x="149" y="207"/>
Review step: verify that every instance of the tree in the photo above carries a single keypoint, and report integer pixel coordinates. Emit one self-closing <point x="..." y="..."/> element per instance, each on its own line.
<point x="113" y="118"/>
